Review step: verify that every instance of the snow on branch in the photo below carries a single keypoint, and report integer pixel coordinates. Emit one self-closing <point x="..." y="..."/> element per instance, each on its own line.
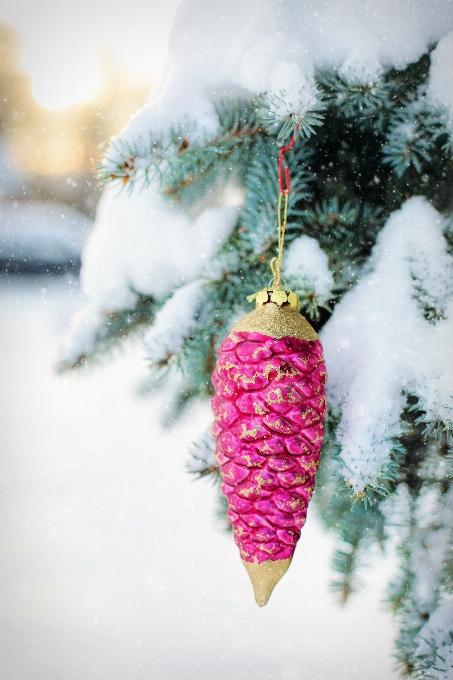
<point x="202" y="460"/>
<point x="306" y="270"/>
<point x="292" y="103"/>
<point x="147" y="156"/>
<point x="389" y="337"/>
<point x="140" y="250"/>
<point x="435" y="650"/>
<point x="440" y="87"/>
<point x="413" y="133"/>
<point x="174" y="322"/>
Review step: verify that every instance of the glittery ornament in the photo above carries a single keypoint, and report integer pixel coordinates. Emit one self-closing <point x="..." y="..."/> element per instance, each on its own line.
<point x="269" y="408"/>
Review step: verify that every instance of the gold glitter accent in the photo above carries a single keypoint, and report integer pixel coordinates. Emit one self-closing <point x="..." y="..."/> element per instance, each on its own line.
<point x="223" y="415"/>
<point x="247" y="491"/>
<point x="227" y="365"/>
<point x="257" y="351"/>
<point x="299" y="480"/>
<point x="278" y="396"/>
<point x="270" y="550"/>
<point x="262" y="481"/>
<point x="266" y="447"/>
<point x="281" y="373"/>
<point x="311" y="466"/>
<point x="245" y="379"/>
<point x="265" y="576"/>
<point x="248" y="433"/>
<point x="257" y="487"/>
<point x="258" y="409"/>
<point x="310" y="489"/>
<point x="276" y="322"/>
<point x="249" y="462"/>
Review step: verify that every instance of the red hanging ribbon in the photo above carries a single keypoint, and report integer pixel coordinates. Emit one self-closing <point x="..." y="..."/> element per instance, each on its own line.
<point x="287" y="189"/>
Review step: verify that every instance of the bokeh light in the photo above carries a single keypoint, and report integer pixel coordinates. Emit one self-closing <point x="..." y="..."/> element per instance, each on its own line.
<point x="63" y="85"/>
<point x="62" y="41"/>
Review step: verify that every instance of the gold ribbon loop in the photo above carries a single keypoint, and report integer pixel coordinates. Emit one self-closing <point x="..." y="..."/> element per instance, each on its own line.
<point x="276" y="262"/>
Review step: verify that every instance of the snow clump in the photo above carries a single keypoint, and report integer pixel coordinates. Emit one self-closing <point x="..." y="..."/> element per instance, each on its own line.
<point x="440" y="86"/>
<point x="306" y="268"/>
<point x="436" y="641"/>
<point x="390" y="336"/>
<point x="174" y="322"/>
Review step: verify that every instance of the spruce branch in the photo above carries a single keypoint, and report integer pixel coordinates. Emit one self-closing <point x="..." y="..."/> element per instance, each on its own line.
<point x="365" y="102"/>
<point x="202" y="462"/>
<point x="415" y="131"/>
<point x="281" y="119"/>
<point x="180" y="156"/>
<point x="113" y="329"/>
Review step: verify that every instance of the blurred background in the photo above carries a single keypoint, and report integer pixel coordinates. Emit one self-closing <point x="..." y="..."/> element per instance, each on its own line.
<point x="71" y="76"/>
<point x="112" y="563"/>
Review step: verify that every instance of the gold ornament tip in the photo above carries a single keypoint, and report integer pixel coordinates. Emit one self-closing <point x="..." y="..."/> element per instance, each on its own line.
<point x="265" y="576"/>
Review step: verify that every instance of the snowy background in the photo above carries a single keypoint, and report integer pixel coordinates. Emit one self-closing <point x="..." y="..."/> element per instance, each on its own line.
<point x="113" y="565"/>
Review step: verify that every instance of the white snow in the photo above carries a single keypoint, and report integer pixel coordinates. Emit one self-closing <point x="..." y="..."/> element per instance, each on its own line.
<point x="79" y="339"/>
<point x="379" y="345"/>
<point x="227" y="47"/>
<point x="174" y="322"/>
<point x="306" y="267"/>
<point x="36" y="232"/>
<point x="430" y="545"/>
<point x="144" y="244"/>
<point x="423" y="525"/>
<point x="203" y="455"/>
<point x="141" y="244"/>
<point x="443" y="669"/>
<point x="435" y="638"/>
<point x="437" y="629"/>
<point x="113" y="564"/>
<point x="297" y="92"/>
<point x="219" y="48"/>
<point x="440" y="86"/>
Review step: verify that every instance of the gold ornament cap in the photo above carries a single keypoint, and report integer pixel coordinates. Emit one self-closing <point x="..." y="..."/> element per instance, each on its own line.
<point x="277" y="295"/>
<point x="276" y="315"/>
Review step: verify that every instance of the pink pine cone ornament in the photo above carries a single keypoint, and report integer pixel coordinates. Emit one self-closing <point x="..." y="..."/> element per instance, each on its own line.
<point x="269" y="408"/>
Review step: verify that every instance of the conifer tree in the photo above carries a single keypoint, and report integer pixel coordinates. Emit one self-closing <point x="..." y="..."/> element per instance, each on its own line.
<point x="369" y="252"/>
